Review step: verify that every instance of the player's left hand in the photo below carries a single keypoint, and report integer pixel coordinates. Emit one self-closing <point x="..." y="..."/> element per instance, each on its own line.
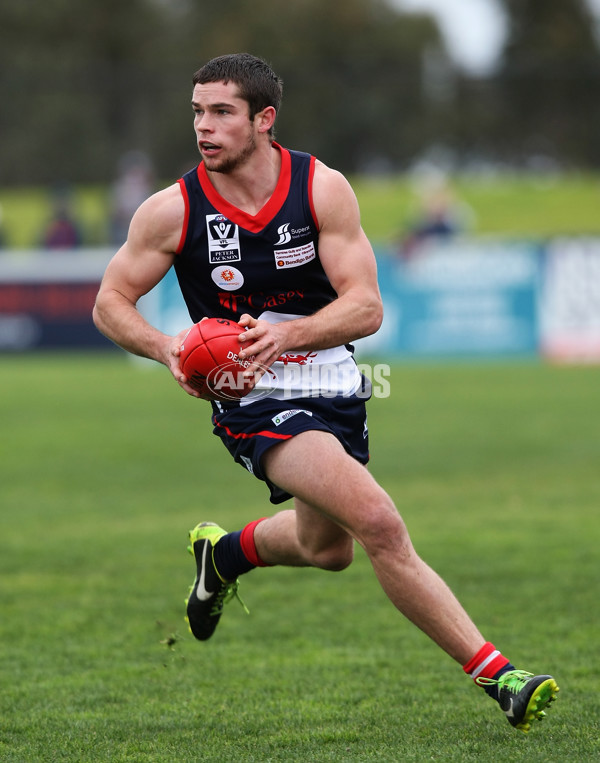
<point x="174" y="366"/>
<point x="264" y="340"/>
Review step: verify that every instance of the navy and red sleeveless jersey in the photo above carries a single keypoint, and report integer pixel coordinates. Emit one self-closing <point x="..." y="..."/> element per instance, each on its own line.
<point x="230" y="262"/>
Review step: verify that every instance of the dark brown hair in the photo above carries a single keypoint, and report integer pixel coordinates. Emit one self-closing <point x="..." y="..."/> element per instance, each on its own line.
<point x="256" y="81"/>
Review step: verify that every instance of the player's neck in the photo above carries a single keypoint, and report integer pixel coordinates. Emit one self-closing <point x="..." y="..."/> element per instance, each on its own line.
<point x="250" y="186"/>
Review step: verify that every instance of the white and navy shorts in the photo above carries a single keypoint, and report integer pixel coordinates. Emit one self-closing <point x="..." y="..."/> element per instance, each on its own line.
<point x="249" y="431"/>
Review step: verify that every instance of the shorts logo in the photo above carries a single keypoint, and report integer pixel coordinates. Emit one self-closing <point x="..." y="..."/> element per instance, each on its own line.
<point x="223" y="240"/>
<point x="293" y="258"/>
<point x="227" y="277"/>
<point x="248" y="464"/>
<point x="285" y="415"/>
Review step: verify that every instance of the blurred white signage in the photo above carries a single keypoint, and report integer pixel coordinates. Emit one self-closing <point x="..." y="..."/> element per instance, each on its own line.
<point x="570" y="301"/>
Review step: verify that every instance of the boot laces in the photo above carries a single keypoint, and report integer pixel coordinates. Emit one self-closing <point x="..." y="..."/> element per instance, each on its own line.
<point x="227" y="592"/>
<point x="514" y="680"/>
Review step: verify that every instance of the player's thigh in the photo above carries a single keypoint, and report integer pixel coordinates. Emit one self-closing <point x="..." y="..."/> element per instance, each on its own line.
<point x="314" y="467"/>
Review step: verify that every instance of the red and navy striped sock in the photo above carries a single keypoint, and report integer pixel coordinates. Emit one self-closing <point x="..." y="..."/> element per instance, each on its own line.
<point x="488" y="663"/>
<point x="235" y="553"/>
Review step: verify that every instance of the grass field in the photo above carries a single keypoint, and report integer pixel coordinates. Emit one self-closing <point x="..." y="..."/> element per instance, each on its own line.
<point x="106" y="464"/>
<point x="512" y="205"/>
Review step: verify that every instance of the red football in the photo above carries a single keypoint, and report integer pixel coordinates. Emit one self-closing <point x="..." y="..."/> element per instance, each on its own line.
<point x="209" y="359"/>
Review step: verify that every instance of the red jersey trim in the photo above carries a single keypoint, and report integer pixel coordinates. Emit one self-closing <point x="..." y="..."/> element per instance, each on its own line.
<point x="248" y="435"/>
<point x="252" y="223"/>
<point x="186" y="216"/>
<point x="311" y="177"/>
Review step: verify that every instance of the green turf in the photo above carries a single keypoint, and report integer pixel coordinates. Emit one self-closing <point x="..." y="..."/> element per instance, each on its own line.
<point x="520" y="205"/>
<point x="105" y="465"/>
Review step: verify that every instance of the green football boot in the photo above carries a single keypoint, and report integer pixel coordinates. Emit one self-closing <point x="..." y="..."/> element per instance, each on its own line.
<point x="522" y="696"/>
<point x="209" y="592"/>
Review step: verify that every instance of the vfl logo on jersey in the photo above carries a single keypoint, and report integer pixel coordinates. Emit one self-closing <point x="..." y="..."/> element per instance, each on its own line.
<point x="223" y="240"/>
<point x="228" y="278"/>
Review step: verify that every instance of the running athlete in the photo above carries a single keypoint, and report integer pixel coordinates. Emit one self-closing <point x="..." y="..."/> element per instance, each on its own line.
<point x="272" y="238"/>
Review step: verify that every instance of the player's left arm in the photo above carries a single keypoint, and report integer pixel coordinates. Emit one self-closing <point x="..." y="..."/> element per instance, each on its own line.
<point x="349" y="262"/>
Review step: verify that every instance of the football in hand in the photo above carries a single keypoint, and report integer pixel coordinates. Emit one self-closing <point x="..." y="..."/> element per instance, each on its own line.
<point x="209" y="358"/>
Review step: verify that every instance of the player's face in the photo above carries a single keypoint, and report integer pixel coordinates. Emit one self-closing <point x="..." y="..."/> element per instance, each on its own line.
<point x="225" y="135"/>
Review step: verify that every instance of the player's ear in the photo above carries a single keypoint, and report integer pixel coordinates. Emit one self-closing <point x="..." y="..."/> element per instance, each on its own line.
<point x="265" y="119"/>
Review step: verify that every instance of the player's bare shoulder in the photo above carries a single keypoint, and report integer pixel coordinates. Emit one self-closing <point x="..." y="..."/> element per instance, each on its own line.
<point x="158" y="222"/>
<point x="333" y="198"/>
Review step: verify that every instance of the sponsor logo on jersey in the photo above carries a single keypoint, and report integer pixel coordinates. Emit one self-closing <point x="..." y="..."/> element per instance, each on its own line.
<point x="258" y="300"/>
<point x="227" y="277"/>
<point x="298" y="358"/>
<point x="294" y="257"/>
<point x="223" y="240"/>
<point x="286" y="234"/>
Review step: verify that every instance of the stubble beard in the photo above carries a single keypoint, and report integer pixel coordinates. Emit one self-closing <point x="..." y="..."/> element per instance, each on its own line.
<point x="229" y="164"/>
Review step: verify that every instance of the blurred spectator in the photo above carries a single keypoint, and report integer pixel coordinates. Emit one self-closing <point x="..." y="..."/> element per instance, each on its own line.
<point x="440" y="215"/>
<point x="133" y="185"/>
<point x="62" y="231"/>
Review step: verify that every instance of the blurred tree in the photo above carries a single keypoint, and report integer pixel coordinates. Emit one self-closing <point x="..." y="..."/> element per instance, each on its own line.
<point x="549" y="83"/>
<point x="83" y="82"/>
<point x="352" y="72"/>
<point x="366" y="87"/>
<point x="72" y="79"/>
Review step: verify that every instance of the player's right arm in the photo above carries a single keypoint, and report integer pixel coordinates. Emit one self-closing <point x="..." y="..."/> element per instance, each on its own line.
<point x="135" y="269"/>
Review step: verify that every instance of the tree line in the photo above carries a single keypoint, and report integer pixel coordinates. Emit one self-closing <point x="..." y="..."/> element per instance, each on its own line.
<point x="366" y="88"/>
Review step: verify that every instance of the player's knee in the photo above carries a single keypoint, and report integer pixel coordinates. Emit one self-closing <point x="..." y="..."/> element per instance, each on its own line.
<point x="384" y="532"/>
<point x="334" y="558"/>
